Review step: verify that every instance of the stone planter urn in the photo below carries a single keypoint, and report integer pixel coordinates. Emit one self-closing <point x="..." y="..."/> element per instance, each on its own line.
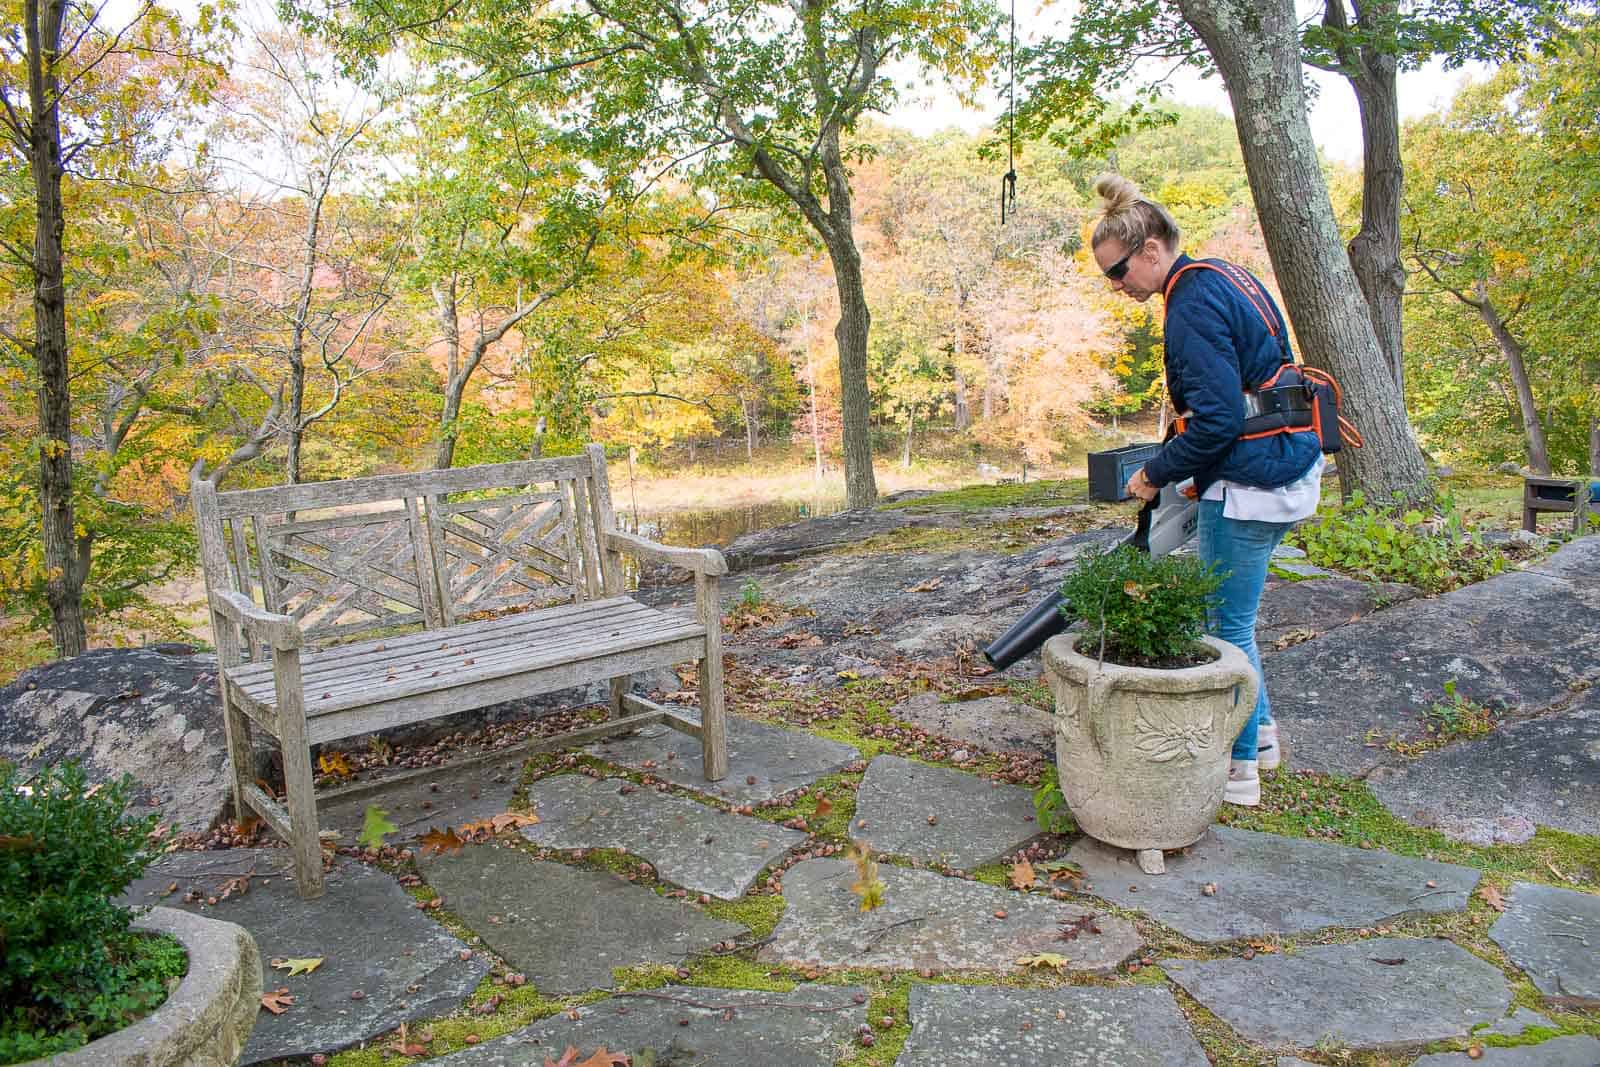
<point x="1141" y="753"/>
<point x="206" y="1020"/>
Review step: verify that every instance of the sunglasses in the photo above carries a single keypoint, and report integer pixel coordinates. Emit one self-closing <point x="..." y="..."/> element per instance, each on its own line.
<point x="1117" y="270"/>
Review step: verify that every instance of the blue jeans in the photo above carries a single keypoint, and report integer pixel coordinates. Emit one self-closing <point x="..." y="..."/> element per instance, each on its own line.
<point x="1240" y="549"/>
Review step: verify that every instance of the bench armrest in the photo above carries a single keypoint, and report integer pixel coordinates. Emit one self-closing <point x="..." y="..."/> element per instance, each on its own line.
<point x="699" y="560"/>
<point x="279" y="631"/>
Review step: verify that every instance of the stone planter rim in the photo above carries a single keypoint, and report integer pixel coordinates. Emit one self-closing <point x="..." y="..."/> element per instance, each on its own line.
<point x="1061" y="654"/>
<point x="222" y="980"/>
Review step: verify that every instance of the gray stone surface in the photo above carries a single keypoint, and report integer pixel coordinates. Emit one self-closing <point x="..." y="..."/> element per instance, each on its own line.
<point x="1266" y="884"/>
<point x="1544" y="771"/>
<point x="806" y="1027"/>
<point x="1554" y="935"/>
<point x="976" y="821"/>
<point x="566" y="928"/>
<point x="780" y="761"/>
<point x="931" y="922"/>
<point x="995" y="724"/>
<point x="1574" y="1051"/>
<point x="1519" y="639"/>
<point x="1345" y="994"/>
<point x="150" y="712"/>
<point x="1519" y="1020"/>
<point x="688" y="843"/>
<point x="1073" y="1027"/>
<point x="365" y="928"/>
<point x="446" y="797"/>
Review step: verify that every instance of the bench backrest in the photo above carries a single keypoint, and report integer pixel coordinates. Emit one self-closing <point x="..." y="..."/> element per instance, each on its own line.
<point x="348" y="557"/>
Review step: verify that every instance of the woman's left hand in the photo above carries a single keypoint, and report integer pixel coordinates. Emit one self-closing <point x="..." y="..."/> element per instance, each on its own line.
<point x="1140" y="486"/>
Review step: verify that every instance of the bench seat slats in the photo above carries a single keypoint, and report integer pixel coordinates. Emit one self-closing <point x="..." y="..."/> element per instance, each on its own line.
<point x="516" y="644"/>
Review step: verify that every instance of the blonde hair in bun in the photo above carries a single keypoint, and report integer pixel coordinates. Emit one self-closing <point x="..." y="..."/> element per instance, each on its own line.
<point x="1127" y="217"/>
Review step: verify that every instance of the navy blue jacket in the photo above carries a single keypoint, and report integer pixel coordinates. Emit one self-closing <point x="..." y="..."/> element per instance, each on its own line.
<point x="1216" y="345"/>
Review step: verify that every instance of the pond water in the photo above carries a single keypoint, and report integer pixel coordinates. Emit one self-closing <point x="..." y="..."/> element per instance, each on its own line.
<point x="719" y="526"/>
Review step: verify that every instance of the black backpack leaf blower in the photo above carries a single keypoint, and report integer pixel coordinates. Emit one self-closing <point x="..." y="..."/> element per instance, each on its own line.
<point x="1164" y="524"/>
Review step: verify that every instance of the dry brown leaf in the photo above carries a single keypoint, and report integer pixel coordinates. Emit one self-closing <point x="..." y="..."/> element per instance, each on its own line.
<point x="440" y="842"/>
<point x="824" y="807"/>
<point x="1022" y="875"/>
<point x="277" y="1001"/>
<point x="1490" y="895"/>
<point x="512" y="820"/>
<point x="928" y="586"/>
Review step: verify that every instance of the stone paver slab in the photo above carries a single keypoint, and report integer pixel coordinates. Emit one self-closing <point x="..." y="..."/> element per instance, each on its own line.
<point x="695" y="846"/>
<point x="1267" y="884"/>
<point x="1518" y="639"/>
<point x="1554" y="935"/>
<point x="367" y="930"/>
<point x="997" y="724"/>
<point x="1544" y="771"/>
<point x="976" y="820"/>
<point x="931" y="921"/>
<point x="567" y="928"/>
<point x="779" y="761"/>
<point x="1073" y="1027"/>
<point x="1579" y="1051"/>
<point x="806" y="1027"/>
<point x="416" y="804"/>
<point x="1348" y="994"/>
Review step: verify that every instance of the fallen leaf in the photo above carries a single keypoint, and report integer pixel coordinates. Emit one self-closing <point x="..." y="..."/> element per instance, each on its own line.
<point x="511" y="820"/>
<point x="928" y="586"/>
<point x="1490" y="895"/>
<point x="277" y="1001"/>
<point x="1022" y="875"/>
<point x="869" y="887"/>
<point x="440" y="842"/>
<point x="1044" y="959"/>
<point x="602" y="1058"/>
<point x="303" y="965"/>
<point x="1083" y="924"/>
<point x="374" y="826"/>
<point x="824" y="807"/>
<point x="1394" y="962"/>
<point x="334" y="763"/>
<point x="1209" y="889"/>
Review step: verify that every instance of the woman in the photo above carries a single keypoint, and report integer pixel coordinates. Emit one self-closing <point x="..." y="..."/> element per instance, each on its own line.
<point x="1224" y="335"/>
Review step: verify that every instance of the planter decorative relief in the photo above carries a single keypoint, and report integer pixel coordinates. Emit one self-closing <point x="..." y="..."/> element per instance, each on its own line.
<point x="1142" y="754"/>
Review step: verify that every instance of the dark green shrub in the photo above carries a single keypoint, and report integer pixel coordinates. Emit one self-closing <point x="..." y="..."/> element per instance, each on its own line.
<point x="70" y="969"/>
<point x="1145" y="611"/>
<point x="1435" y="554"/>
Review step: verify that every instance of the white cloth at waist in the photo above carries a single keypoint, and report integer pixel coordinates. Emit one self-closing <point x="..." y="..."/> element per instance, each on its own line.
<point x="1290" y="503"/>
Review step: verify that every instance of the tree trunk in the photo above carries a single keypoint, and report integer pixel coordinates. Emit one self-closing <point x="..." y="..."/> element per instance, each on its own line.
<point x="298" y="330"/>
<point x="1594" y="446"/>
<point x="66" y="557"/>
<point x="1511" y="348"/>
<point x="1256" y="46"/>
<point x="816" y="431"/>
<point x="855" y="402"/>
<point x="963" y="410"/>
<point x="747" y="405"/>
<point x="444" y="308"/>
<point x="905" y="452"/>
<point x="1375" y="250"/>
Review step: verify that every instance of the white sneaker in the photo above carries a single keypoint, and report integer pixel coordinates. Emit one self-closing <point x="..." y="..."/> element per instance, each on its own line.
<point x="1268" y="754"/>
<point x="1244" y="785"/>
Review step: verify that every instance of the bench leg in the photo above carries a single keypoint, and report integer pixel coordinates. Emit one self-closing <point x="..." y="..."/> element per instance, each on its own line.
<point x="713" y="724"/>
<point x="304" y="842"/>
<point x="1530" y="519"/>
<point x="240" y="751"/>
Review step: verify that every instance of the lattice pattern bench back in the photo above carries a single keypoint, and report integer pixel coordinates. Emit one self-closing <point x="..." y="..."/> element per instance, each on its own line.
<point x="351" y="557"/>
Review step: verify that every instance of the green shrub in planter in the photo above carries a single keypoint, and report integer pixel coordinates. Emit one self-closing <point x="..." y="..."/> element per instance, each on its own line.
<point x="70" y="969"/>
<point x="1141" y="610"/>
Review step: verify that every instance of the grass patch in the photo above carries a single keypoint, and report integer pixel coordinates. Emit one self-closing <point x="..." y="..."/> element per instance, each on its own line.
<point x="1334" y="808"/>
<point x="1010" y="495"/>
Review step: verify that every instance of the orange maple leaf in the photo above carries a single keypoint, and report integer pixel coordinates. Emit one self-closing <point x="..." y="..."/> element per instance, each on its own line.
<point x="277" y="1001"/>
<point x="1490" y="895"/>
<point x="511" y="820"/>
<point x="440" y="842"/>
<point x="601" y="1058"/>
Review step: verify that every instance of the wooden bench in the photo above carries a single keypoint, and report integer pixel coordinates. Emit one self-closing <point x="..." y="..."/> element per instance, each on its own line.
<point x="446" y="591"/>
<point x="1561" y="495"/>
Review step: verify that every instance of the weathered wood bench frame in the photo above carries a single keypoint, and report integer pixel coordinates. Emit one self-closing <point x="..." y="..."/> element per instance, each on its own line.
<point x="513" y="573"/>
<point x="1565" y="496"/>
